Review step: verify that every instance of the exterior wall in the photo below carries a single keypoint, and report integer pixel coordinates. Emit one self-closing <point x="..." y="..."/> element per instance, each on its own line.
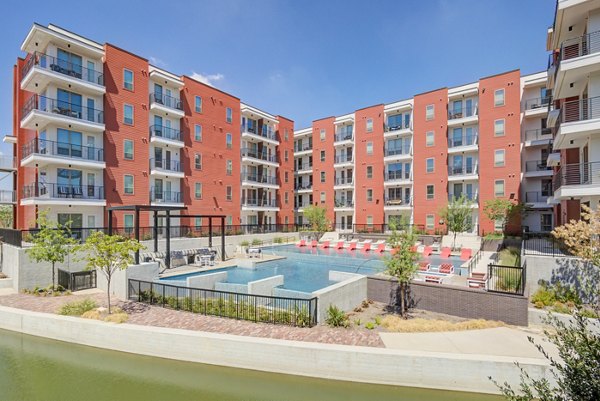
<point x="116" y="132"/>
<point x="326" y="166"/>
<point x="439" y="152"/>
<point x="285" y="167"/>
<point x="510" y="142"/>
<point x="213" y="150"/>
<point x="364" y="208"/>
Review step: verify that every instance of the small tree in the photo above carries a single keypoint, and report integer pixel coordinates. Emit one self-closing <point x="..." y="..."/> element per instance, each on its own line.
<point x="457" y="216"/>
<point x="503" y="210"/>
<point x="52" y="243"/>
<point x="108" y="253"/>
<point x="317" y="219"/>
<point x="402" y="264"/>
<point x="6" y="216"/>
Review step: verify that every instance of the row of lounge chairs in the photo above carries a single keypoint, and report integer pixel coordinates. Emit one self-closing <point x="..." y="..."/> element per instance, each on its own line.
<point x="444" y="268"/>
<point x="365" y="246"/>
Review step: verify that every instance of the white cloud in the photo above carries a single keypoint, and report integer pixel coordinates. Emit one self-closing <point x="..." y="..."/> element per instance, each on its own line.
<point x="157" y="62"/>
<point x="209" y="79"/>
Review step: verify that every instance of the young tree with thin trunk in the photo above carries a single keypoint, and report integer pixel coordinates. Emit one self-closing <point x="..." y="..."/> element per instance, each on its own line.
<point x="402" y="264"/>
<point x="317" y="219"/>
<point x="108" y="254"/>
<point x="502" y="210"/>
<point x="457" y="215"/>
<point x="6" y="216"/>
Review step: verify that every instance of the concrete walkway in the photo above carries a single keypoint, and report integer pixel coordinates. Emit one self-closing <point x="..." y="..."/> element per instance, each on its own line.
<point x="501" y="341"/>
<point x="486" y="259"/>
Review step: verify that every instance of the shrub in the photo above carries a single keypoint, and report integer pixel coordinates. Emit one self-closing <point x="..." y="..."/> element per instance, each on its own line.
<point x="244" y="243"/>
<point x="588" y="313"/>
<point x="256" y="241"/>
<point x="508" y="279"/>
<point x="559" y="307"/>
<point x="336" y="317"/>
<point x="417" y="325"/>
<point x="357" y="322"/>
<point x="369" y="325"/>
<point x="77" y="308"/>
<point x="278" y="240"/>
<point x="544" y="296"/>
<point x="118" y="316"/>
<point x="510" y="256"/>
<point x="365" y="303"/>
<point x="378" y="320"/>
<point x="91" y="314"/>
<point x="539" y="305"/>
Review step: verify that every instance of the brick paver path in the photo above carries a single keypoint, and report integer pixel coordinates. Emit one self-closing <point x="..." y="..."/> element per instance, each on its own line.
<point x="157" y="316"/>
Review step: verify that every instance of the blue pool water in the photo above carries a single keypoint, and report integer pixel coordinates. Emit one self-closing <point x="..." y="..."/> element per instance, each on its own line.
<point x="306" y="269"/>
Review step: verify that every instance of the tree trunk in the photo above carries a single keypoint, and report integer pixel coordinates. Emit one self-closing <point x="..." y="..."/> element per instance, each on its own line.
<point x="108" y="291"/>
<point x="402" y="292"/>
<point x="454" y="241"/>
<point x="53" y="277"/>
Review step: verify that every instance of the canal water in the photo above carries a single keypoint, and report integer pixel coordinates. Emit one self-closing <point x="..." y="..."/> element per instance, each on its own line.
<point x="37" y="369"/>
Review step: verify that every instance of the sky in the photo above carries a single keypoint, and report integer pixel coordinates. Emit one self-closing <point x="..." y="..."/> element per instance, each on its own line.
<point x="301" y="59"/>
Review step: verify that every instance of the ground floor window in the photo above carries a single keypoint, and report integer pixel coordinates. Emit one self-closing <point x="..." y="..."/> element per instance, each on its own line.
<point x="546" y="222"/>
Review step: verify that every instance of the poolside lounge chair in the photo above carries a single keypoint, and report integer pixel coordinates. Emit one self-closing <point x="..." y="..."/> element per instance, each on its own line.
<point x="366" y="247"/>
<point x="446" y="268"/>
<point x="433" y="279"/>
<point x="302" y="242"/>
<point x="477" y="280"/>
<point x="340" y="245"/>
<point x="380" y="248"/>
<point x="424" y="266"/>
<point x="427" y="251"/>
<point x="445" y="254"/>
<point x="325" y="244"/>
<point x="414" y="248"/>
<point x="465" y="254"/>
<point x="352" y="246"/>
<point x="314" y="243"/>
<point x="393" y="251"/>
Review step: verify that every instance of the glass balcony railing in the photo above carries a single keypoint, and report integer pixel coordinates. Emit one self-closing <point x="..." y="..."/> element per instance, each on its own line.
<point x="159" y="196"/>
<point x="60" y="107"/>
<point x="161" y="131"/>
<point x="266" y="131"/>
<point x="303" y="147"/>
<point x="473" y="197"/>
<point x="538" y="134"/>
<point x="343" y="180"/>
<point x="344" y="203"/>
<point x="63" y="67"/>
<point x="260" y="202"/>
<point x="166" y="100"/>
<point x="255" y="154"/>
<point x="259" y="178"/>
<point x="168" y="165"/>
<point x="537" y="165"/>
<point x="343" y="136"/>
<point x="462" y="112"/>
<point x="62" y="149"/>
<point x="66" y="191"/>
<point x="398" y="201"/>
<point x="304" y="167"/>
<point x="405" y="150"/>
<point x="536" y="197"/>
<point x="397" y="175"/>
<point x="300" y="187"/>
<point x="577" y="174"/>
<point x="343" y="159"/>
<point x="462" y="170"/>
<point x="463" y="140"/>
<point x="538" y="103"/>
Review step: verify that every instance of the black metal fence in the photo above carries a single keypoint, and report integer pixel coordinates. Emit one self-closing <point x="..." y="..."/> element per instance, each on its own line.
<point x="255" y="308"/>
<point x="10" y="236"/>
<point x="506" y="279"/>
<point x="77" y="281"/>
<point x="543" y="244"/>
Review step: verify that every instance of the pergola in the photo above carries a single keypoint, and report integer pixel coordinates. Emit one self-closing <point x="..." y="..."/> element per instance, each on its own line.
<point x="168" y="216"/>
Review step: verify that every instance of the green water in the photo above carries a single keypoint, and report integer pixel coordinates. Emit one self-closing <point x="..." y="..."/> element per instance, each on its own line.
<point x="36" y="369"/>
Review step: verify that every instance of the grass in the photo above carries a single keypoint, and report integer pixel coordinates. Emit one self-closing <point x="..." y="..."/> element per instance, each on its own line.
<point x="510" y="256"/>
<point x="419" y="325"/>
<point x="77" y="308"/>
<point x="118" y="316"/>
<point x="494" y="236"/>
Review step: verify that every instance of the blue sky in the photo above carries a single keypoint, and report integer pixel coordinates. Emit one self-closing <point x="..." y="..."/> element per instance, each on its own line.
<point x="302" y="59"/>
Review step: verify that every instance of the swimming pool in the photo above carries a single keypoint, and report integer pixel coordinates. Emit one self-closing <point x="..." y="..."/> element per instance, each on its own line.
<point x="307" y="269"/>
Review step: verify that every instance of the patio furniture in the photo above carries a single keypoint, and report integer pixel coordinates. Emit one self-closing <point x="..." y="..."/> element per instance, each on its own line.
<point x="446" y="268"/>
<point x="445" y="254"/>
<point x="414" y="248"/>
<point x="301" y="243"/>
<point x="427" y="251"/>
<point x="477" y="280"/>
<point x="380" y="248"/>
<point x="352" y="246"/>
<point x="424" y="266"/>
<point x="207" y="260"/>
<point x="325" y="244"/>
<point x="433" y="279"/>
<point x="254" y="253"/>
<point x="314" y="243"/>
<point x="465" y="254"/>
<point x="340" y="245"/>
<point x="366" y="247"/>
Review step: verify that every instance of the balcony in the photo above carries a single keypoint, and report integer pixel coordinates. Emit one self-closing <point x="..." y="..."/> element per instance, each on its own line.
<point x="343" y="137"/>
<point x="260" y="204"/>
<point x="462" y="115"/>
<point x="159" y="196"/>
<point x="403" y="152"/>
<point x="397" y="177"/>
<point x="62" y="194"/>
<point x="341" y="160"/>
<point x="537" y="168"/>
<point x="537" y="107"/>
<point x="167" y="168"/>
<point x="463" y="143"/>
<point x="166" y="135"/>
<point x="304" y="188"/>
<point x="536" y="199"/>
<point x="397" y="125"/>
<point x="266" y="133"/>
<point x="304" y="168"/>
<point x="303" y="148"/>
<point x="42" y="69"/>
<point x="397" y="203"/>
<point x="462" y="172"/>
<point x="7" y="197"/>
<point x="260" y="180"/>
<point x="471" y="197"/>
<point x="343" y="205"/>
<point x="166" y="104"/>
<point x="534" y="137"/>
<point x="343" y="182"/>
<point x="41" y="152"/>
<point x="263" y="157"/>
<point x="577" y="180"/>
<point x="577" y="120"/>
<point x="40" y="111"/>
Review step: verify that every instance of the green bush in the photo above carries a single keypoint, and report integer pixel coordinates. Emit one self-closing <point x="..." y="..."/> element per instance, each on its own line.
<point x="370" y="325"/>
<point x="244" y="243"/>
<point x="559" y="307"/>
<point x="539" y="305"/>
<point x="336" y="317"/>
<point x="256" y="241"/>
<point x="77" y="308"/>
<point x="508" y="280"/>
<point x="544" y="296"/>
<point x="589" y="313"/>
<point x="278" y="240"/>
<point x="510" y="256"/>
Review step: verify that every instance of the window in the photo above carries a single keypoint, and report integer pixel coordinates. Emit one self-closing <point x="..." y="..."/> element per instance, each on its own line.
<point x="369" y="148"/>
<point x="228" y="115"/>
<point x="229" y="167"/>
<point x="322" y="155"/>
<point x="229" y="220"/>
<point x="322" y="176"/>
<point x="128" y="114"/>
<point x="228" y="193"/>
<point x="198" y="190"/>
<point x="128" y="184"/>
<point x="499" y="158"/>
<point x="369" y="220"/>
<point x="285" y="155"/>
<point x="285" y="135"/>
<point x="369" y="171"/>
<point x="430" y="165"/>
<point x="198" y="161"/>
<point x="499" y="97"/>
<point x="429" y="112"/>
<point x="228" y="140"/>
<point x="499" y="188"/>
<point x="128" y="149"/>
<point x="198" y="222"/>
<point x="198" y="104"/>
<point x="198" y="132"/>
<point x="128" y="79"/>
<point x="286" y="197"/>
<point x="499" y="127"/>
<point x="128" y="220"/>
<point x="498" y="225"/>
<point x="369" y="125"/>
<point x="429" y="139"/>
<point x="430" y="192"/>
<point x="369" y="195"/>
<point x="286" y="176"/>
<point x="430" y="221"/>
<point x="322" y="135"/>
<point x="286" y="220"/>
<point x="322" y="197"/>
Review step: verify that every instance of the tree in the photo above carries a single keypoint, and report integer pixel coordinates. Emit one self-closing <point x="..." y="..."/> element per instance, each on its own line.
<point x="582" y="237"/>
<point x="402" y="264"/>
<point x="457" y="216"/>
<point x="576" y="371"/>
<point x="317" y="219"/>
<point x="52" y="243"/>
<point x="503" y="210"/>
<point x="6" y="216"/>
<point x="108" y="254"/>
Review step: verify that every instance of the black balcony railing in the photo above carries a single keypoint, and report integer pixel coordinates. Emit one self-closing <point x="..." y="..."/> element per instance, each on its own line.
<point x="62" y="149"/>
<point x="255" y="154"/>
<point x="472" y="197"/>
<point x="537" y="103"/>
<point x="64" y="67"/>
<point x="344" y="203"/>
<point x="304" y="167"/>
<point x="303" y="148"/>
<point x="160" y="131"/>
<point x="537" y="165"/>
<point x="538" y="134"/>
<point x="266" y="131"/>
<point x="300" y="187"/>
<point x="343" y="136"/>
<point x="462" y="170"/>
<point x="463" y="140"/>
<point x="260" y="202"/>
<point x="168" y="165"/>
<point x="159" y="196"/>
<point x="260" y="178"/>
<point x="398" y="201"/>
<point x="397" y="175"/>
<point x="166" y="100"/>
<point x="577" y="174"/>
<point x="343" y="180"/>
<point x="51" y="190"/>
<point x="463" y="112"/>
<point x="343" y="159"/>
<point x="72" y="110"/>
<point x="535" y="197"/>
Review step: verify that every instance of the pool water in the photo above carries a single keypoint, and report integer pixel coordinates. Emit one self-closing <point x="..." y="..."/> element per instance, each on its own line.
<point x="307" y="269"/>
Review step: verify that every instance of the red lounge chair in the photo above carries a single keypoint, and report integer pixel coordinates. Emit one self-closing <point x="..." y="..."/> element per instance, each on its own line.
<point x="465" y="254"/>
<point x="445" y="254"/>
<point x="413" y="248"/>
<point x="340" y="245"/>
<point x="325" y="244"/>
<point x="380" y="248"/>
<point x="313" y="243"/>
<point x="301" y="243"/>
<point x="352" y="246"/>
<point x="446" y="268"/>
<point x="433" y="279"/>
<point x="366" y="247"/>
<point x="427" y="251"/>
<point x="424" y="266"/>
<point x="393" y="251"/>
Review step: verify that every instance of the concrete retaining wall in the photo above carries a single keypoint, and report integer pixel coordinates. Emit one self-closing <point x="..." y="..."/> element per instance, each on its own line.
<point x="360" y="364"/>
<point x="265" y="286"/>
<point x="456" y="301"/>
<point x="346" y="294"/>
<point x="120" y="278"/>
<point x="6" y="283"/>
<point x="205" y="281"/>
<point x="231" y="287"/>
<point x="552" y="269"/>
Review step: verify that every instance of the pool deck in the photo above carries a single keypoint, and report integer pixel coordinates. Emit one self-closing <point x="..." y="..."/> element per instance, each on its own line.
<point x="191" y="268"/>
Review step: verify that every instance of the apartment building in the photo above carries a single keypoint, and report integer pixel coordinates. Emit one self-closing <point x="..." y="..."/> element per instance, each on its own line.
<point x="574" y="78"/>
<point x="403" y="162"/>
<point x="97" y="126"/>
